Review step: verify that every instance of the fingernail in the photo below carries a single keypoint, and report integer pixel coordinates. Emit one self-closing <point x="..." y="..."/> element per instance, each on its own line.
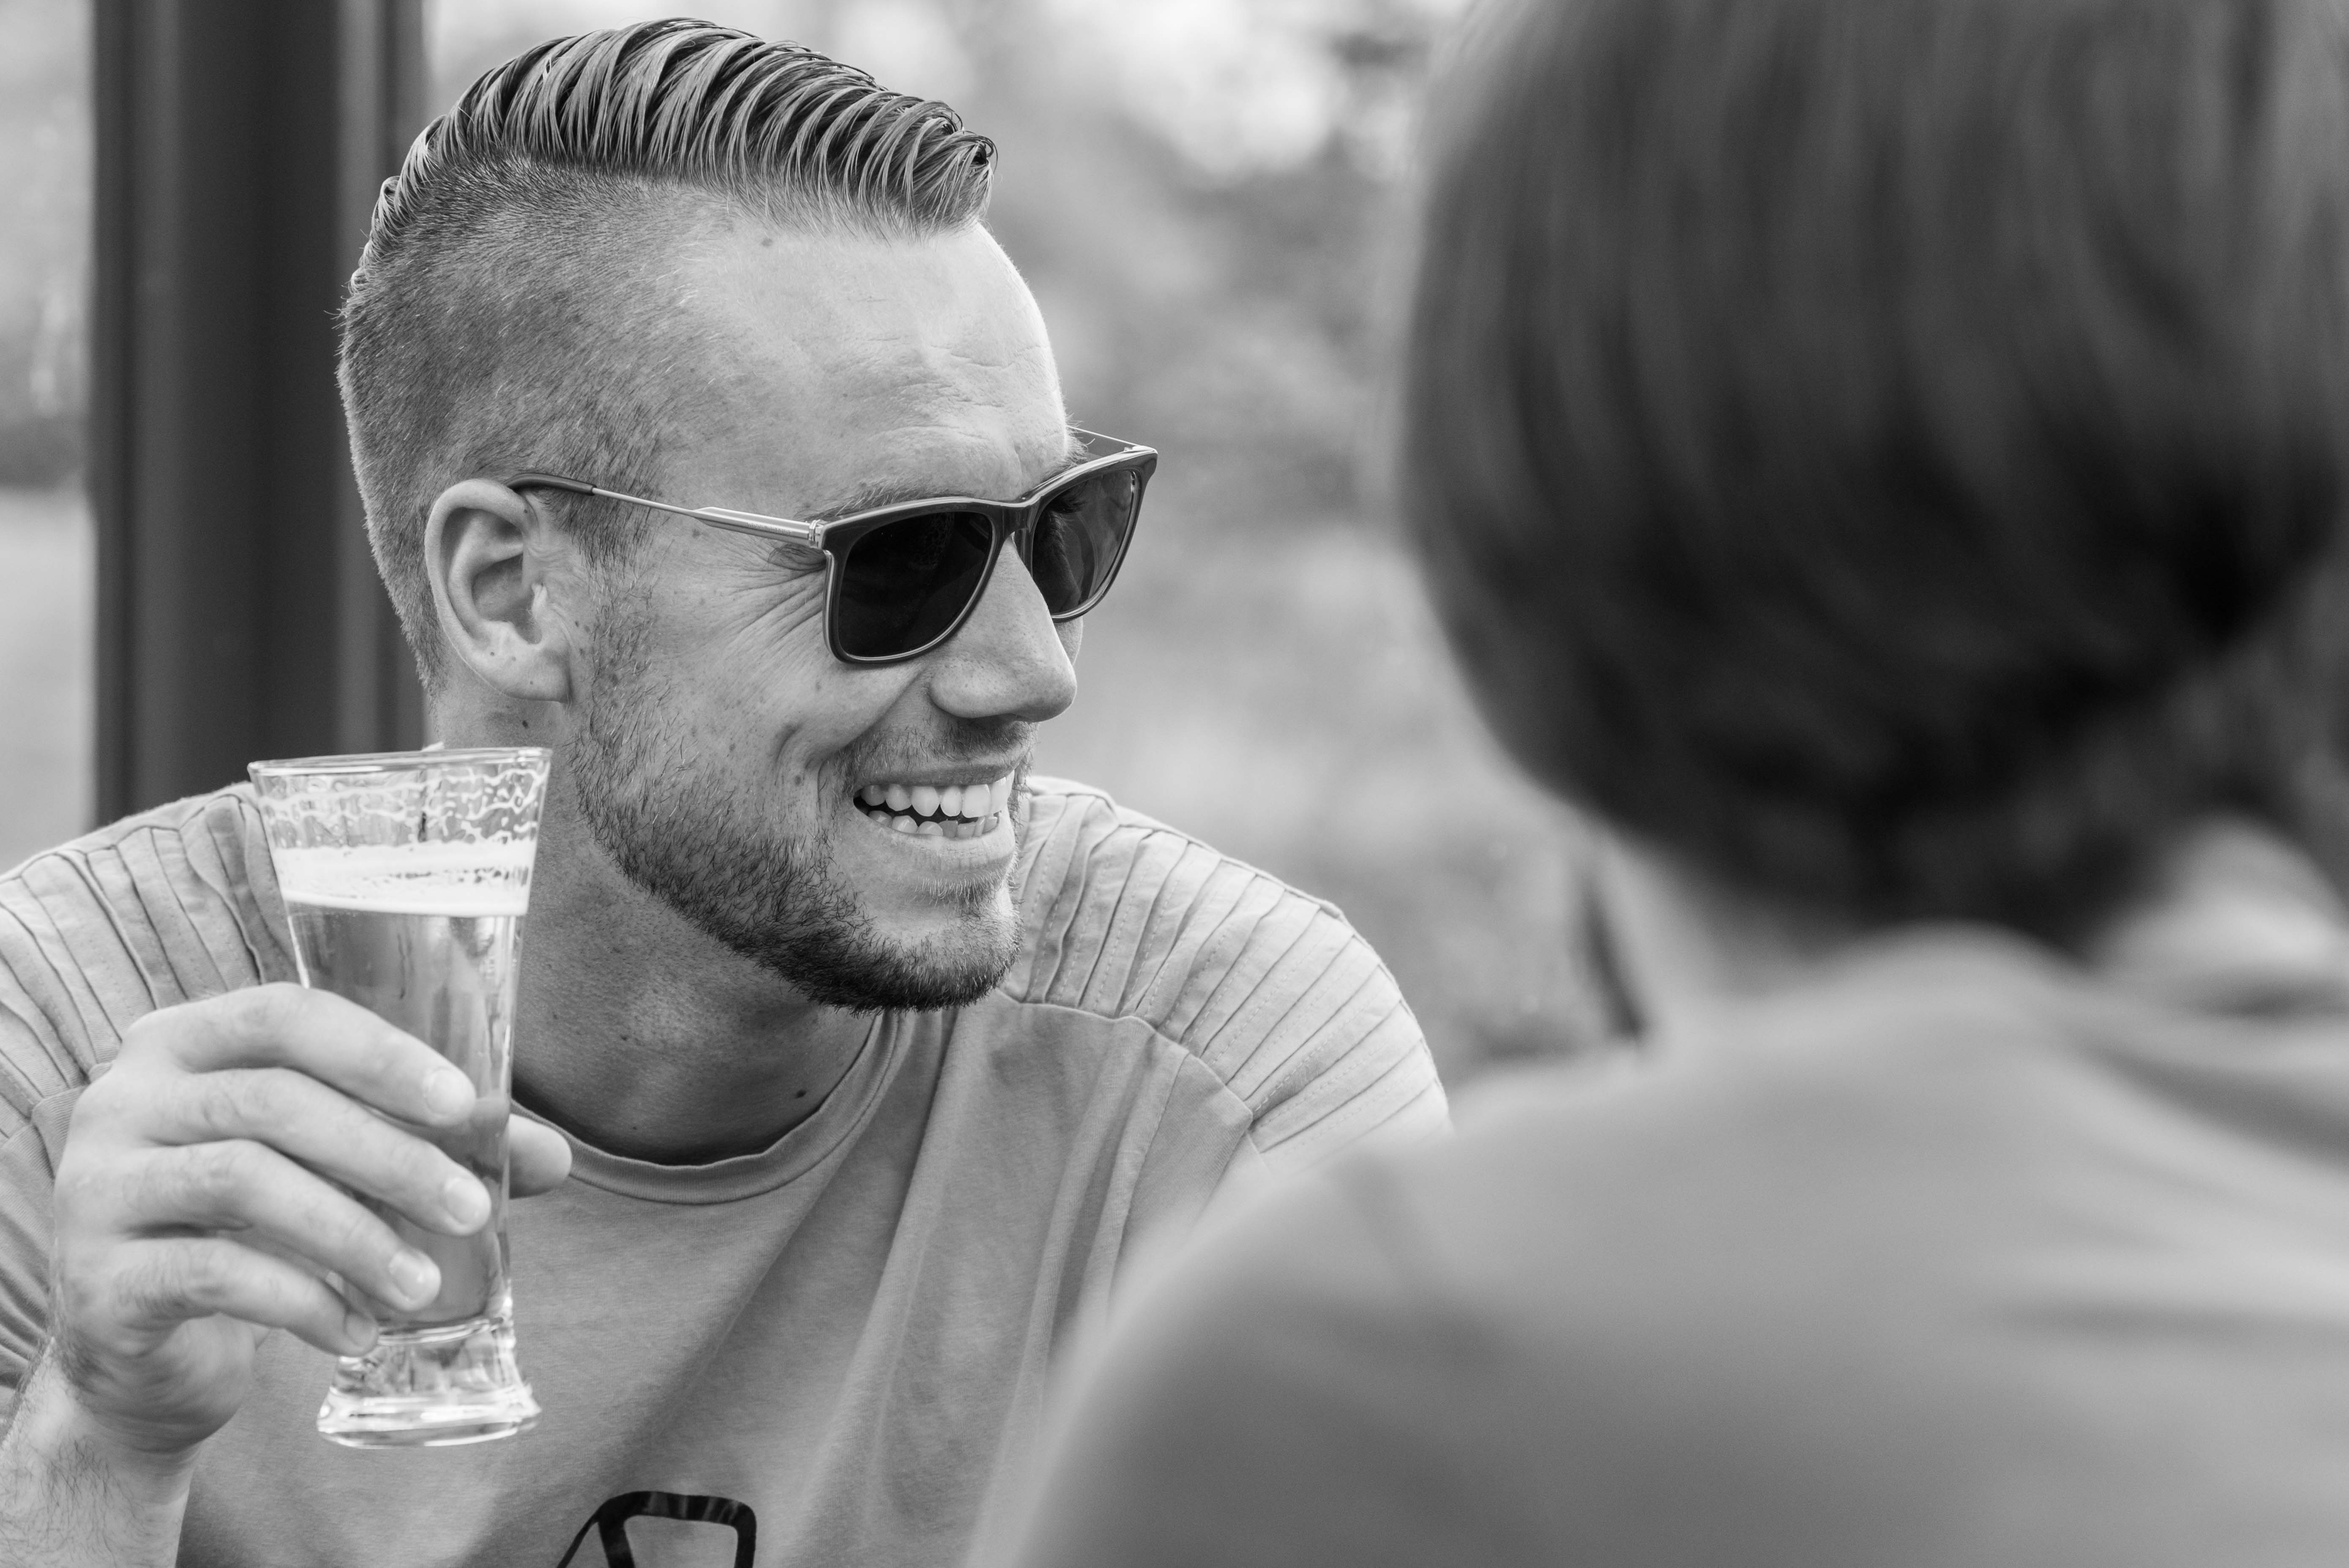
<point x="358" y="1330"/>
<point x="447" y="1092"/>
<point x="467" y="1202"/>
<point x="418" y="1279"/>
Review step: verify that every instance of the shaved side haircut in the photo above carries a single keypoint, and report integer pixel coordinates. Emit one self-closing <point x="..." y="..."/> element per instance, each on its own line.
<point x="500" y="319"/>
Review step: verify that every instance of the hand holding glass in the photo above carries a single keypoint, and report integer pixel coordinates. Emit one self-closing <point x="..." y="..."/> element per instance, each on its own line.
<point x="406" y="876"/>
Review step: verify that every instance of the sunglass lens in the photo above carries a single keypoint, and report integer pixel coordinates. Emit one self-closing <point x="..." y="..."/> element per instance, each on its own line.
<point x="902" y="584"/>
<point x="1079" y="537"/>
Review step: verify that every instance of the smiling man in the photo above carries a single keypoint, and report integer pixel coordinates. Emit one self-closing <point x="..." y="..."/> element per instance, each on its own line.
<point x="708" y="438"/>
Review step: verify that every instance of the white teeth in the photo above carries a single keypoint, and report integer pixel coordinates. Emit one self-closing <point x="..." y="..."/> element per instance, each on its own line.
<point x="955" y="811"/>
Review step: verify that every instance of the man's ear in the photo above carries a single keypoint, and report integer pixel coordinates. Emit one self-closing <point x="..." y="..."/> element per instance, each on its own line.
<point x="498" y="566"/>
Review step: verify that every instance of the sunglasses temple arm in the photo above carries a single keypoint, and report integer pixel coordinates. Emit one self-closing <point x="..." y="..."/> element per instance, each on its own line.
<point x="798" y="533"/>
<point x="810" y="534"/>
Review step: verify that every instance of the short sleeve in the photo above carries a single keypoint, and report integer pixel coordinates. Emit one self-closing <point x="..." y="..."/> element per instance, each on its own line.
<point x="1270" y="989"/>
<point x="28" y="1175"/>
<point x="157" y="910"/>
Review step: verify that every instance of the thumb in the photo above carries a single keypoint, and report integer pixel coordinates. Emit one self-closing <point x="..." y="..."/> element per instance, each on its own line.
<point x="537" y="1157"/>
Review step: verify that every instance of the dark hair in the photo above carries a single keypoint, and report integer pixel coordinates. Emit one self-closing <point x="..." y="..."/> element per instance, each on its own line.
<point x="1888" y="454"/>
<point x="497" y="319"/>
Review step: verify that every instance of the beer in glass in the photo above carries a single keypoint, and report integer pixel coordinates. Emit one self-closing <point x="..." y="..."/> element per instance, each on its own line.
<point x="405" y="876"/>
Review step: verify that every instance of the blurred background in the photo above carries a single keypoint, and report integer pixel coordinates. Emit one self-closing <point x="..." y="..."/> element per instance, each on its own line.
<point x="1207" y="197"/>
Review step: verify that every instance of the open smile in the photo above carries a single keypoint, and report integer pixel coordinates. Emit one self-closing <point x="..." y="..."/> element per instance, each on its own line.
<point x="961" y="810"/>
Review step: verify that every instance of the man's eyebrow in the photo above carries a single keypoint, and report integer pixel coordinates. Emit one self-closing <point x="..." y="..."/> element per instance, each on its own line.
<point x="878" y="493"/>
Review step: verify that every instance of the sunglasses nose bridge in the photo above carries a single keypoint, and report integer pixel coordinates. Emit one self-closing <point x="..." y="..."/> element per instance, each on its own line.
<point x="1017" y="528"/>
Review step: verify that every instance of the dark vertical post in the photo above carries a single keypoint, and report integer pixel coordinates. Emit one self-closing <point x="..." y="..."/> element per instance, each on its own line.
<point x="240" y="144"/>
<point x="378" y="705"/>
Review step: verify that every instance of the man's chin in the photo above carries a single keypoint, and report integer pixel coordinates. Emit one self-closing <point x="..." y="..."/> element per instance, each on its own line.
<point x="871" y="971"/>
<point x="850" y="916"/>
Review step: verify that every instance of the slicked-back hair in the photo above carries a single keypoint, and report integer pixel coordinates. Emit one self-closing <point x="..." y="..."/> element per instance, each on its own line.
<point x="1888" y="454"/>
<point x="498" y="320"/>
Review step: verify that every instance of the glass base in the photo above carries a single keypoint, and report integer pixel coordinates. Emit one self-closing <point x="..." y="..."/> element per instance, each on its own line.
<point x="429" y="1388"/>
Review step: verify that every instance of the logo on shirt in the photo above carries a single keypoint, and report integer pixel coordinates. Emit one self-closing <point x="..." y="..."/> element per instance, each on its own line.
<point x="682" y="1525"/>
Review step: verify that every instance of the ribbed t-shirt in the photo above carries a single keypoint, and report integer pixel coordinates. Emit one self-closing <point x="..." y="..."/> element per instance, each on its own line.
<point x="841" y="1339"/>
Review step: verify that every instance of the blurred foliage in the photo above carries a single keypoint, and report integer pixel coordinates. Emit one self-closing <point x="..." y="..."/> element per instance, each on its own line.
<point x="45" y="214"/>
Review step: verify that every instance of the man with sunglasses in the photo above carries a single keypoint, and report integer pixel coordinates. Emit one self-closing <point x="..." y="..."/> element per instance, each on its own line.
<point x="708" y="438"/>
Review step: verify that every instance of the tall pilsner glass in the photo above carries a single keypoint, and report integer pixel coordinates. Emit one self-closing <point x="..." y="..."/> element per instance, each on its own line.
<point x="405" y="876"/>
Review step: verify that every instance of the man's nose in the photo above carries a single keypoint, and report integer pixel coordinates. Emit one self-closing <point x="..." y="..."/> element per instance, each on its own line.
<point x="1008" y="660"/>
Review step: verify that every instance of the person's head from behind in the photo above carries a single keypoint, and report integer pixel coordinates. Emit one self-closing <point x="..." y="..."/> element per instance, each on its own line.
<point x="1885" y="456"/>
<point x="681" y="263"/>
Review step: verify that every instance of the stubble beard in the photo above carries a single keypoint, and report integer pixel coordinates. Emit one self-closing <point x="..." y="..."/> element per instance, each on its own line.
<point x="693" y="841"/>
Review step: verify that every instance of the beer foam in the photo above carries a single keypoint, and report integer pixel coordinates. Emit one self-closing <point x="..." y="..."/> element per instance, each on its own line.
<point x="472" y="880"/>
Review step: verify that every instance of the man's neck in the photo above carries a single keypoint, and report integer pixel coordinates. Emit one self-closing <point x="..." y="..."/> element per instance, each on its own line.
<point x="2231" y="916"/>
<point x="1690" y="950"/>
<point x="643" y="1036"/>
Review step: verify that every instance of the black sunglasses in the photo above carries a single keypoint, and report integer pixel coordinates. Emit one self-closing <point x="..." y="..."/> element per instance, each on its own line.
<point x="905" y="577"/>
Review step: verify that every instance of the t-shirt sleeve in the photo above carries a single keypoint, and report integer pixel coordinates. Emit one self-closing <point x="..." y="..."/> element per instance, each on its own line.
<point x="155" y="910"/>
<point x="54" y="1030"/>
<point x="1270" y="989"/>
<point x="1289" y="1396"/>
<point x="27" y="1173"/>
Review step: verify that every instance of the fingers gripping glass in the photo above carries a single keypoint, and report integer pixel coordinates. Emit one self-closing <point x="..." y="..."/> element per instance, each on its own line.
<point x="904" y="578"/>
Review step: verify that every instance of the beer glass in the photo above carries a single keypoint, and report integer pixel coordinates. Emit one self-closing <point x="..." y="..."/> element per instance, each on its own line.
<point x="405" y="876"/>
